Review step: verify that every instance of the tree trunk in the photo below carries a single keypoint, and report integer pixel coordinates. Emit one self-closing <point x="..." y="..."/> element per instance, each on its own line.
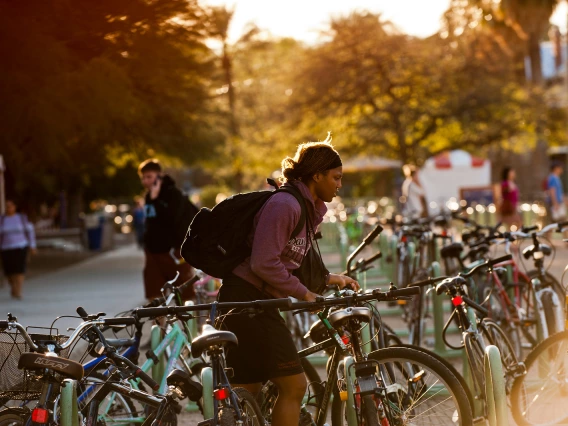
<point x="534" y="55"/>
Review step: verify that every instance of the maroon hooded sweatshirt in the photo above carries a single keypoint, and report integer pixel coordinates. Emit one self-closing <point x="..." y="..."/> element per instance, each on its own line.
<point x="274" y="255"/>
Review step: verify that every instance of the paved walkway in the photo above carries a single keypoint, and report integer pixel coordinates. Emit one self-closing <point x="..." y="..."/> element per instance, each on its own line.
<point x="110" y="283"/>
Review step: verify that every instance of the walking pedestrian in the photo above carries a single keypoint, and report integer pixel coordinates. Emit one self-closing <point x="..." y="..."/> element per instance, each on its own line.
<point x="509" y="199"/>
<point x="266" y="350"/>
<point x="17" y="241"/>
<point x="414" y="200"/>
<point x="168" y="215"/>
<point x="555" y="194"/>
<point x="138" y="219"/>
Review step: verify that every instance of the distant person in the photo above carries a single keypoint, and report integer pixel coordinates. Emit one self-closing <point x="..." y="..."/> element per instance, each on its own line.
<point x="508" y="205"/>
<point x="555" y="194"/>
<point x="414" y="201"/>
<point x="138" y="219"/>
<point x="168" y="215"/>
<point x="17" y="240"/>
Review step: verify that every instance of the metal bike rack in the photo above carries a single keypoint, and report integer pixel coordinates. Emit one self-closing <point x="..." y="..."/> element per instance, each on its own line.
<point x="159" y="369"/>
<point x="495" y="395"/>
<point x="68" y="406"/>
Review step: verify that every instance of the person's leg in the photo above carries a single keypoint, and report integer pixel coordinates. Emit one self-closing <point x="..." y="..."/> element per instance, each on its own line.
<point x="291" y="390"/>
<point x="153" y="279"/>
<point x="11" y="279"/>
<point x="18" y="282"/>
<point x="253" y="388"/>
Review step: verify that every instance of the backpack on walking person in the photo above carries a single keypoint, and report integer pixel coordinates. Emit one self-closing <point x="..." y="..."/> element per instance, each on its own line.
<point x="216" y="241"/>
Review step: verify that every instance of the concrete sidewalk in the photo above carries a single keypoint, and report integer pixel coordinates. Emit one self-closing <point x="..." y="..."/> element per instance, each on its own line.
<point x="110" y="282"/>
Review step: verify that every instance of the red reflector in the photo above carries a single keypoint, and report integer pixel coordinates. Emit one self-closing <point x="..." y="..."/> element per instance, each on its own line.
<point x="40" y="415"/>
<point x="404" y="239"/>
<point x="221" y="394"/>
<point x="345" y="339"/>
<point x="457" y="300"/>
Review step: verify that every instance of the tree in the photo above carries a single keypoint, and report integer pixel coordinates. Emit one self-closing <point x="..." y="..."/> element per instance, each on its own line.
<point x="406" y="97"/>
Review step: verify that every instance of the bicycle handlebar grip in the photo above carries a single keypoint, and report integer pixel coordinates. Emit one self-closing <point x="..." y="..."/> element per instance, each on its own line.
<point x="274" y="303"/>
<point x="150" y="312"/>
<point x="373" y="234"/>
<point x="188" y="283"/>
<point x="4" y="325"/>
<point x="527" y="229"/>
<point x="409" y="291"/>
<point x="147" y="379"/>
<point x="82" y="312"/>
<point x="120" y="321"/>
<point x="562" y="225"/>
<point x="154" y="303"/>
<point x="501" y="259"/>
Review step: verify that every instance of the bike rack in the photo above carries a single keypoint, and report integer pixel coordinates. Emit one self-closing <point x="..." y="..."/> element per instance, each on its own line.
<point x="68" y="407"/>
<point x="495" y="395"/>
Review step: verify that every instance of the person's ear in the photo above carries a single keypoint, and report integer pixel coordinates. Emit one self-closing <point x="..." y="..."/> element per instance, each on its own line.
<point x="316" y="177"/>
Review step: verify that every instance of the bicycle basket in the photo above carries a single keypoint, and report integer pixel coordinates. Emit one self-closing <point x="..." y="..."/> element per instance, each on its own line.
<point x="16" y="384"/>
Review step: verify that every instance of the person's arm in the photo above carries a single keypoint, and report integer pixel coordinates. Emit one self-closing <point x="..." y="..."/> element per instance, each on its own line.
<point x="552" y="192"/>
<point x="275" y="226"/>
<point x="31" y="236"/>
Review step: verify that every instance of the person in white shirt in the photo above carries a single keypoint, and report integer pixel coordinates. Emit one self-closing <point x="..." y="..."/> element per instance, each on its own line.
<point x="17" y="237"/>
<point x="413" y="200"/>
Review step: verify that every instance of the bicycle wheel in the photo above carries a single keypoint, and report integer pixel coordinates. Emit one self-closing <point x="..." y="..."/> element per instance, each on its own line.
<point x="495" y="336"/>
<point x="249" y="411"/>
<point x="369" y="411"/>
<point x="474" y="353"/>
<point x="14" y="416"/>
<point x="539" y="397"/>
<point x="433" y="395"/>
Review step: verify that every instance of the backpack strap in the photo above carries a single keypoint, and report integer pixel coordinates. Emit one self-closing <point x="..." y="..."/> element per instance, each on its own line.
<point x="300" y="198"/>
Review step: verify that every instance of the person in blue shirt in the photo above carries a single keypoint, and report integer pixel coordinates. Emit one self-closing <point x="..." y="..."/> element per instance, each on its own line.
<point x="555" y="193"/>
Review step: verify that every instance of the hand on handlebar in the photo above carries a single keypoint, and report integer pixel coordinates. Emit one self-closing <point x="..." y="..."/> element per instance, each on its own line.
<point x="341" y="281"/>
<point x="310" y="296"/>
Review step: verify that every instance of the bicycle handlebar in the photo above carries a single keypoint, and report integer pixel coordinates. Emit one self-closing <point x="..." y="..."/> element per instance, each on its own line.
<point x="181" y="288"/>
<point x="174" y="310"/>
<point x="137" y="371"/>
<point x="354" y="298"/>
<point x="487" y="264"/>
<point x="373" y="234"/>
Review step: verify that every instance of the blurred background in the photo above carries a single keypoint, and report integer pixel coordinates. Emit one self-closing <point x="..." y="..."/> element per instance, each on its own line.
<point x="221" y="92"/>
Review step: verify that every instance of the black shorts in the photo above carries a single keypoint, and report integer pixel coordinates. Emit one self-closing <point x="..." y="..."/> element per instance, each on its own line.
<point x="14" y="261"/>
<point x="266" y="349"/>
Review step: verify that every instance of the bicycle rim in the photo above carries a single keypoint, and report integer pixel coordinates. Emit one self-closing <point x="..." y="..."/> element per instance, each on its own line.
<point x="540" y="397"/>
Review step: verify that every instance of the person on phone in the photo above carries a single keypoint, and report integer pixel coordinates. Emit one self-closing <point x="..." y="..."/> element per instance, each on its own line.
<point x="168" y="214"/>
<point x="266" y="349"/>
<point x="555" y="192"/>
<point x="17" y="241"/>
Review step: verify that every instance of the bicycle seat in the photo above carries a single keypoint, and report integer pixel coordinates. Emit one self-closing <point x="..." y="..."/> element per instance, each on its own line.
<point x="65" y="367"/>
<point x="452" y="250"/>
<point x="211" y="337"/>
<point x="477" y="252"/>
<point x="529" y="251"/>
<point x="318" y="331"/>
<point x="182" y="380"/>
<point x="448" y="283"/>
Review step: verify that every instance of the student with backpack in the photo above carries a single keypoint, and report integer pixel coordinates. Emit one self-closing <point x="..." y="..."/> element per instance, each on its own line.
<point x="280" y="261"/>
<point x="168" y="214"/>
<point x="17" y="240"/>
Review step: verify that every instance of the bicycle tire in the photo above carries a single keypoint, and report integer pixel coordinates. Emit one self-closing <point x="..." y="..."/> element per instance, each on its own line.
<point x="14" y="416"/>
<point x="474" y="353"/>
<point x="555" y="382"/>
<point x="496" y="336"/>
<point x="369" y="411"/>
<point x="459" y="411"/>
<point x="250" y="411"/>
<point x="548" y="308"/>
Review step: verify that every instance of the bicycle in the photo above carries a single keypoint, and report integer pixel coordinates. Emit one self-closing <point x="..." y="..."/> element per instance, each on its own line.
<point x="221" y="403"/>
<point x="375" y="388"/>
<point x="476" y="334"/>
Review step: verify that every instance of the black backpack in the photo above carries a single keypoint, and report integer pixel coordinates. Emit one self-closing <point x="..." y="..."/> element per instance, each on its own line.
<point x="216" y="241"/>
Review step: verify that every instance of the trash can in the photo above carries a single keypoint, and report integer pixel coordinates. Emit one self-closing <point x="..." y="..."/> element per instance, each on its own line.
<point x="94" y="226"/>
